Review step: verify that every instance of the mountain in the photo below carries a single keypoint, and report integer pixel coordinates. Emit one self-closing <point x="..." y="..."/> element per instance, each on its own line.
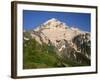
<point x="70" y="43"/>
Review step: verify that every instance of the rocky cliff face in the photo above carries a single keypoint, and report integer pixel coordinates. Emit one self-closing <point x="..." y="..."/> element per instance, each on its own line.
<point x="70" y="43"/>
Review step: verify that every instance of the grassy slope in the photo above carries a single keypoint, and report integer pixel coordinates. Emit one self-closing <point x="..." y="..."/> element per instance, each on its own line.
<point x="38" y="56"/>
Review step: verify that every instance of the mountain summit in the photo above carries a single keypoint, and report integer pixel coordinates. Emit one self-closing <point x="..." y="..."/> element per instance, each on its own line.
<point x="69" y="42"/>
<point x="52" y="23"/>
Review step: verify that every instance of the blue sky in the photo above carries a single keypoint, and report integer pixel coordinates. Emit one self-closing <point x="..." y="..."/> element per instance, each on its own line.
<point x="32" y="19"/>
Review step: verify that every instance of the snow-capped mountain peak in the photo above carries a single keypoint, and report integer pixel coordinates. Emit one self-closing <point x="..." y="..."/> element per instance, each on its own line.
<point x="52" y="23"/>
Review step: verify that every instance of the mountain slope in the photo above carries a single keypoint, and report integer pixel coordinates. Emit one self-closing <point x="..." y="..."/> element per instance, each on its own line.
<point x="69" y="43"/>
